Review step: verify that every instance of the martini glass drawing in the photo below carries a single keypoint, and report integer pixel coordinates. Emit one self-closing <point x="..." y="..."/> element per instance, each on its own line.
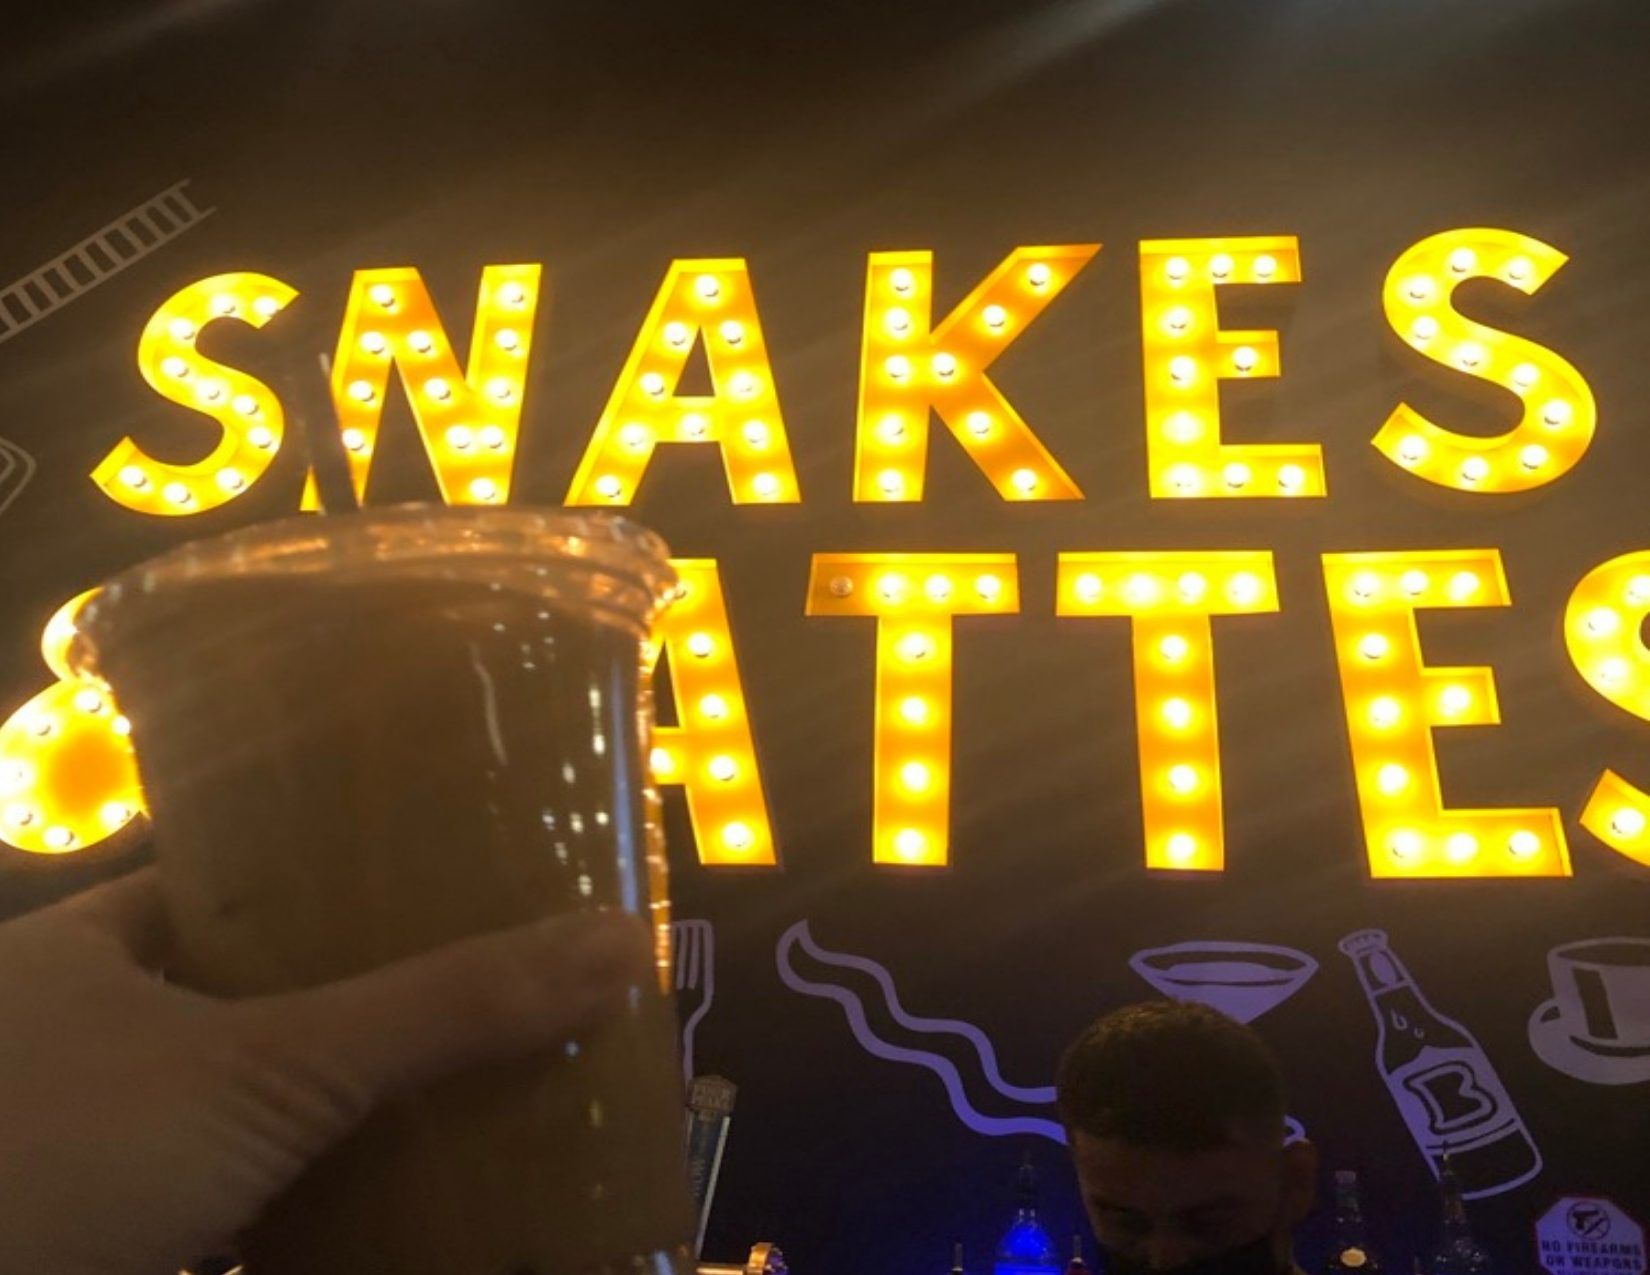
<point x="1241" y="980"/>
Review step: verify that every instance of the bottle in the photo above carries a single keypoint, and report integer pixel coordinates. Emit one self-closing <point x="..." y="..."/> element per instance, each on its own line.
<point x="1458" y="1252"/>
<point x="1350" y="1251"/>
<point x="1077" y="1266"/>
<point x="1443" y="1084"/>
<point x="1026" y="1248"/>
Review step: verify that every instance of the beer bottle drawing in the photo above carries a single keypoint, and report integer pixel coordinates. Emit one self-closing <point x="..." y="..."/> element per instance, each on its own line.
<point x="1445" y="1087"/>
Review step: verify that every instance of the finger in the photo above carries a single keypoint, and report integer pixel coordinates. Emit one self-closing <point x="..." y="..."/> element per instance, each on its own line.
<point x="128" y="909"/>
<point x="490" y="998"/>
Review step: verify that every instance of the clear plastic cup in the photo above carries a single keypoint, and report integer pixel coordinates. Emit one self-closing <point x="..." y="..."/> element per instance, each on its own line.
<point x="362" y="736"/>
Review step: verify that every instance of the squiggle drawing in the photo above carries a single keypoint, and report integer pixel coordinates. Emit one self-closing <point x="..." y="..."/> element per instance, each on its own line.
<point x="694" y="948"/>
<point x="853" y="1007"/>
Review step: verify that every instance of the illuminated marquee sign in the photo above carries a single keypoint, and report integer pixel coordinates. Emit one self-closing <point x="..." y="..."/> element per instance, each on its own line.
<point x="67" y="778"/>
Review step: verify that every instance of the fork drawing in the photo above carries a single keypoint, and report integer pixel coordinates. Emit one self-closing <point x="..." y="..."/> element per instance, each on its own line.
<point x="693" y="948"/>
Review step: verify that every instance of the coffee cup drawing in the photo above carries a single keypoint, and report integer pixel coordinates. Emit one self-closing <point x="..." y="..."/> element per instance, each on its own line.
<point x="1596" y="1026"/>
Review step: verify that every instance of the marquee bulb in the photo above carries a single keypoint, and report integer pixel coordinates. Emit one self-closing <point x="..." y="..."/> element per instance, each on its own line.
<point x="915" y="776"/>
<point x="1177" y="320"/>
<point x="493" y="438"/>
<point x="755" y="434"/>
<point x="1373" y="646"/>
<point x="172" y="365"/>
<point x="733" y="332"/>
<point x="1468" y="355"/>
<point x="1461" y="847"/>
<point x="1182" y="778"/>
<point x="937" y="587"/>
<point x="1176" y="269"/>
<point x="892" y="587"/>
<point x="1627" y="822"/>
<point x="421" y="341"/>
<point x="608" y="487"/>
<point x="1220" y="266"/>
<point x="1024" y="481"/>
<point x="1405" y="844"/>
<point x="723" y="768"/>
<point x="915" y="647"/>
<point x="713" y="707"/>
<point x="1237" y="475"/>
<point x="354" y="440"/>
<point x="1464" y="584"/>
<point x="1638" y="590"/>
<point x="1523" y="844"/>
<point x="700" y="645"/>
<point x="1088" y="587"/>
<point x="1181" y="847"/>
<point x="1174" y="648"/>
<point x="1601" y="621"/>
<point x="677" y="334"/>
<point x="945" y="366"/>
<point x="1418" y="289"/>
<point x="708" y="286"/>
<point x="1364" y="585"/>
<point x="438" y="389"/>
<point x="1556" y="413"/>
<point x="1038" y="275"/>
<point x="653" y="385"/>
<point x="1244" y="588"/>
<point x="1533" y="456"/>
<point x="1265" y="267"/>
<point x="913" y="710"/>
<point x="1245" y="358"/>
<point x="382" y="296"/>
<point x="181" y="329"/>
<point x="995" y="317"/>
<point x="1414" y="583"/>
<point x="134" y="478"/>
<point x="1384" y="711"/>
<point x="978" y="423"/>
<point x="909" y="843"/>
<point x="1462" y="260"/>
<point x="1192" y="586"/>
<point x="738" y="837"/>
<point x="1392" y="778"/>
<point x="1412" y="450"/>
<point x="484" y="490"/>
<point x="1519" y="269"/>
<point x="1291" y="478"/>
<point x="1525" y="375"/>
<point x="897" y="321"/>
<point x="897" y="366"/>
<point x="361" y="391"/>
<point x="1177" y="713"/>
<point x="460" y="438"/>
<point x="1424" y="329"/>
<point x="890" y="482"/>
<point x="989" y="587"/>
<point x="231" y="480"/>
<point x="766" y="486"/>
<point x="508" y="340"/>
<point x="1182" y="368"/>
<point x="695" y="425"/>
<point x="245" y="404"/>
<point x="1474" y="469"/>
<point x="901" y="280"/>
<point x="513" y="295"/>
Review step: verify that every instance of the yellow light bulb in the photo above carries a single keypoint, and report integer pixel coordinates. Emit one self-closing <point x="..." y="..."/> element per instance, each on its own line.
<point x="382" y="296"/>
<point x="1182" y="778"/>
<point x="1384" y="711"/>
<point x="892" y="587"/>
<point x="1177" y="320"/>
<point x="891" y="429"/>
<point x="492" y="438"/>
<point x="1475" y="469"/>
<point x="60" y="838"/>
<point x="361" y="391"/>
<point x="1140" y="590"/>
<point x="1265" y="267"/>
<point x="1220" y="266"/>
<point x="1469" y="355"/>
<point x="172" y="365"/>
<point x="915" y="647"/>
<point x="1612" y="672"/>
<point x="755" y="434"/>
<point x="181" y="329"/>
<point x="1174" y="648"/>
<point x="1627" y="822"/>
<point x="677" y="334"/>
<point x="245" y="404"/>
<point x="1024" y="481"/>
<point x="438" y="389"/>
<point x="225" y="304"/>
<point x="695" y="425"/>
<point x="1038" y="274"/>
<point x="609" y="487"/>
<point x="937" y="587"/>
<point x="1414" y="583"/>
<point x="484" y="489"/>
<point x="1177" y="713"/>
<point x="994" y="317"/>
<point x="88" y="701"/>
<point x="1088" y="587"/>
<point x="1183" y="427"/>
<point x="1461" y="847"/>
<point x="1462" y="260"/>
<point x="178" y="494"/>
<point x="708" y="286"/>
<point x="897" y="366"/>
<point x="1291" y="478"/>
<point x="1405" y="845"/>
<point x="1364" y="585"/>
<point x="1181" y="847"/>
<point x="1237" y="475"/>
<point x="1373" y="646"/>
<point x="508" y="340"/>
<point x="901" y="280"/>
<point x="1418" y="289"/>
<point x="421" y="341"/>
<point x="1244" y="588"/>
<point x="700" y="645"/>
<point x="1556" y="414"/>
<point x="1184" y="478"/>
<point x="1523" y="844"/>
<point x="909" y="843"/>
<point x="1412" y="449"/>
<point x="1601" y="621"/>
<point x="501" y="389"/>
<point x="134" y="478"/>
<point x="1525" y="375"/>
<point x="231" y="480"/>
<point x="945" y="366"/>
<point x="1392" y="779"/>
<point x="261" y="437"/>
<point x="714" y="707"/>
<point x="1519" y="269"/>
<point x="989" y="587"/>
<point x="766" y="486"/>
<point x="913" y="710"/>
<point x="1424" y="329"/>
<point x="1638" y="590"/>
<point x="890" y="482"/>
<point x="1463" y="585"/>
<point x="733" y="332"/>
<point x="460" y="438"/>
<point x="915" y="776"/>
<point x="738" y="837"/>
<point x="745" y="385"/>
<point x="1182" y="368"/>
<point x="1177" y="269"/>
<point x="978" y="423"/>
<point x="663" y="763"/>
<point x="897" y="321"/>
<point x="1192" y="586"/>
<point x="1245" y="359"/>
<point x="723" y="768"/>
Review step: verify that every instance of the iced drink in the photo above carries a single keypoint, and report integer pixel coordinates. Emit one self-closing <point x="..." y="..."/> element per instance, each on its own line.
<point x="363" y="736"/>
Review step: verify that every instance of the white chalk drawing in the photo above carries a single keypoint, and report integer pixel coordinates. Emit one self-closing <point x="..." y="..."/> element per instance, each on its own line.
<point x="693" y="947"/>
<point x="1596" y="1026"/>
<point x="16" y="468"/>
<point x="1445" y="1087"/>
<point x="1241" y="980"/>
<point x="982" y="1057"/>
<point x="70" y="275"/>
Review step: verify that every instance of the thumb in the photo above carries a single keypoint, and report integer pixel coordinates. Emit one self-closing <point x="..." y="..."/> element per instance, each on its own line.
<point x="484" y="999"/>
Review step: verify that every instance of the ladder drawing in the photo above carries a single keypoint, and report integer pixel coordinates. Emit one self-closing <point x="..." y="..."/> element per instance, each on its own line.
<point x="125" y="240"/>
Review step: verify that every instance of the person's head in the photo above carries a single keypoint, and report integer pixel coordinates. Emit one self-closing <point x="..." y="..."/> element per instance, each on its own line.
<point x="1177" y="1125"/>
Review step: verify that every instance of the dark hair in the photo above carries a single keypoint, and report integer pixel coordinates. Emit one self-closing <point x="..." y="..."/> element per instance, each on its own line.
<point x="1172" y="1076"/>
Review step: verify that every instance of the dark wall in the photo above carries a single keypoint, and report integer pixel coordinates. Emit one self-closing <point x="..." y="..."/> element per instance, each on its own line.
<point x="605" y="143"/>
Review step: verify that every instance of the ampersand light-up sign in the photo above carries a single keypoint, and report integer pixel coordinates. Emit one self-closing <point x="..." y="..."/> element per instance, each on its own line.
<point x="700" y="300"/>
<point x="468" y="420"/>
<point x="248" y="414"/>
<point x="1170" y="597"/>
<point x="915" y="598"/>
<point x="1187" y="356"/>
<point x="1604" y="630"/>
<point x="710" y="752"/>
<point x="909" y="368"/>
<point x="1393" y="702"/>
<point x="67" y="775"/>
<point x="1557" y="414"/>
